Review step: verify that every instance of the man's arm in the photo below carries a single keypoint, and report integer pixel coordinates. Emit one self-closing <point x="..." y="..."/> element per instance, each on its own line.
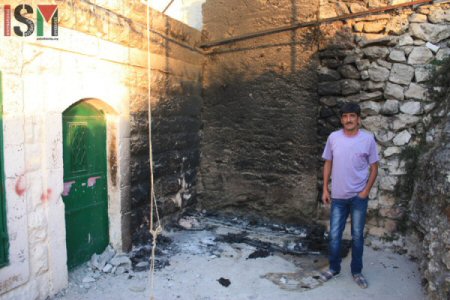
<point x="326" y="199"/>
<point x="373" y="175"/>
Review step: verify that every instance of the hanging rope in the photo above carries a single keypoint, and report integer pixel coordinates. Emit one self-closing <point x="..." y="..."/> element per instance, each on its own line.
<point x="153" y="205"/>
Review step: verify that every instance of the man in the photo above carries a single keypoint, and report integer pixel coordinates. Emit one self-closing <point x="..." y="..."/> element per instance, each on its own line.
<point x="351" y="159"/>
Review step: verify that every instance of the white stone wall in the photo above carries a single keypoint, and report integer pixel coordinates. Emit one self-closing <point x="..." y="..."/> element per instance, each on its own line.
<point x="187" y="11"/>
<point x="40" y="80"/>
<point x="383" y="62"/>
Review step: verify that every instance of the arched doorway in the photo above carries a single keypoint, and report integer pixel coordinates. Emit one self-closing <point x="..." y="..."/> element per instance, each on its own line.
<point x="85" y="192"/>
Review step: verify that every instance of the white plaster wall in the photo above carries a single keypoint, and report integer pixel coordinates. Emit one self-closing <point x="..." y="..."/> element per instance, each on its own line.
<point x="187" y="11"/>
<point x="40" y="80"/>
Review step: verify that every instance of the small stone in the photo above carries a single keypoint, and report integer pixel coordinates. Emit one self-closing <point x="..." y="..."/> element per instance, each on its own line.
<point x="369" y="108"/>
<point x="119" y="260"/>
<point x="430" y="32"/>
<point x="349" y="71"/>
<point x="374" y="27"/>
<point x="328" y="101"/>
<point x="391" y="151"/>
<point x="188" y="222"/>
<point x="373" y="86"/>
<point x="446" y="259"/>
<point x="429" y="107"/>
<point x="350" y="59"/>
<point x="350" y="86"/>
<point x="402" y="138"/>
<point x="432" y="47"/>
<point x="88" y="279"/>
<point x="137" y="289"/>
<point x="378" y="73"/>
<point x="375" y="52"/>
<point x="443" y="53"/>
<point x="405" y="40"/>
<point x="384" y="63"/>
<point x="397" y="55"/>
<point x="326" y="74"/>
<point x="390" y="107"/>
<point x="420" y="56"/>
<point x="397" y="25"/>
<point x="394" y="91"/>
<point x="329" y="88"/>
<point x="362" y="64"/>
<point x="120" y="270"/>
<point x="327" y="11"/>
<point x="388" y="183"/>
<point x="365" y="75"/>
<point x="416" y="91"/>
<point x="411" y="108"/>
<point x="357" y="7"/>
<point x="142" y="264"/>
<point x="417" y="18"/>
<point x="439" y="16"/>
<point x="401" y="73"/>
<point x="422" y="73"/>
<point x="331" y="63"/>
<point x="107" y="268"/>
<point x="383" y="136"/>
<point x="402" y="121"/>
<point x="372" y="123"/>
<point x="358" y="27"/>
<point x="341" y="8"/>
<point x="396" y="167"/>
<point x="95" y="262"/>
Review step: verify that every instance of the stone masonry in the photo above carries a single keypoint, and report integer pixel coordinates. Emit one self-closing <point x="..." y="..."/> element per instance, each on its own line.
<point x="383" y="61"/>
<point x="430" y="215"/>
<point x="258" y="144"/>
<point x="101" y="57"/>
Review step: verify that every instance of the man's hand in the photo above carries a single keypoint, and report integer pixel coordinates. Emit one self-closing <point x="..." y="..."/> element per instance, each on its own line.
<point x="326" y="199"/>
<point x="363" y="195"/>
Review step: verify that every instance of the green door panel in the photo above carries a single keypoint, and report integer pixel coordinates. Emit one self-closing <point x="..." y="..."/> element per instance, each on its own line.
<point x="85" y="184"/>
<point x="4" y="242"/>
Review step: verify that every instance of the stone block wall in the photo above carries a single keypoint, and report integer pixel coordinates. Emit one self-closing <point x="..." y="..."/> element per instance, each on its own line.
<point x="430" y="214"/>
<point x="259" y="128"/>
<point x="100" y="56"/>
<point x="176" y="65"/>
<point x="383" y="61"/>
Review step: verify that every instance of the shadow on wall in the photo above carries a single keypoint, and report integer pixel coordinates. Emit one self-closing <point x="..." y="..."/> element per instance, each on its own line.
<point x="176" y="102"/>
<point x="258" y="149"/>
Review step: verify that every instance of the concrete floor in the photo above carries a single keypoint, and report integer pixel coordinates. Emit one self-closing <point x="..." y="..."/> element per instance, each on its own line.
<point x="199" y="262"/>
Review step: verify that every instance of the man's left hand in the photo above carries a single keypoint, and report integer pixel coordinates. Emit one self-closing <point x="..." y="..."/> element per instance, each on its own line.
<point x="363" y="195"/>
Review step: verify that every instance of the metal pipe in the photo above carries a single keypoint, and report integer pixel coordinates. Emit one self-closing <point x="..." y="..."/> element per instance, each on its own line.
<point x="310" y="23"/>
<point x="167" y="6"/>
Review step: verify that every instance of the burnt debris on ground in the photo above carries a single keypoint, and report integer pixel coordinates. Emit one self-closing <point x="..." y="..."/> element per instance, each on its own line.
<point x="267" y="239"/>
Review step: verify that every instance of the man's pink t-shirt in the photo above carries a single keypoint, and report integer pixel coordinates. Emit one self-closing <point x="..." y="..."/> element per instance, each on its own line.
<point x="351" y="157"/>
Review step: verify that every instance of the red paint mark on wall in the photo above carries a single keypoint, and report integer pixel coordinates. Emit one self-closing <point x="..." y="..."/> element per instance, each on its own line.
<point x="21" y="185"/>
<point x="67" y="187"/>
<point x="92" y="180"/>
<point x="46" y="195"/>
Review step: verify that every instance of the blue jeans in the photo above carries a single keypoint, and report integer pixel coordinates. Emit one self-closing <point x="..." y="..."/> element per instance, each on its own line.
<point x="340" y="209"/>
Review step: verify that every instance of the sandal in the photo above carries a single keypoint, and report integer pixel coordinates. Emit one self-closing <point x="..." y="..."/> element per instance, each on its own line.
<point x="360" y="280"/>
<point x="328" y="274"/>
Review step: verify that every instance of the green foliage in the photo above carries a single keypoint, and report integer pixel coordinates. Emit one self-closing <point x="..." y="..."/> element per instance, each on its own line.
<point x="439" y="82"/>
<point x="410" y="155"/>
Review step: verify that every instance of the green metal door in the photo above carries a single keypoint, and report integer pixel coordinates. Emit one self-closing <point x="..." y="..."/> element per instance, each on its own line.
<point x="4" y="244"/>
<point x="85" y="184"/>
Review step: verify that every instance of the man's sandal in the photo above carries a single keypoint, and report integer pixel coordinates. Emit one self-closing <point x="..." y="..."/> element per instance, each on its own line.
<point x="360" y="280"/>
<point x="328" y="274"/>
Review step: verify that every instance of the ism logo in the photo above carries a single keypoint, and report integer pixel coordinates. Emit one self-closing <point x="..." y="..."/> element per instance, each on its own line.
<point x="47" y="13"/>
